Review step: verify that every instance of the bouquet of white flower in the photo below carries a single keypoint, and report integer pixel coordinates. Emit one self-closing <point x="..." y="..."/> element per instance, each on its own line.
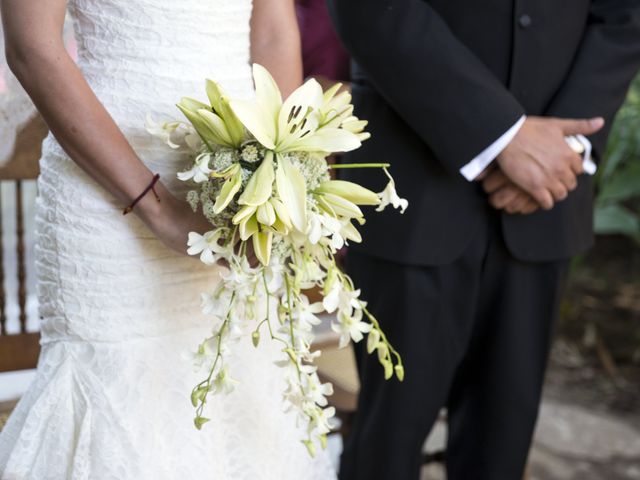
<point x="261" y="177"/>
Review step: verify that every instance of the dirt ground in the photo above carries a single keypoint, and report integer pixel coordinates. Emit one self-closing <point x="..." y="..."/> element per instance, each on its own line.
<point x="596" y="357"/>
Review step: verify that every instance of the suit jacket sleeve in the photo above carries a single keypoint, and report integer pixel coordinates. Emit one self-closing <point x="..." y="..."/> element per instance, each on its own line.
<point x="607" y="61"/>
<point x="435" y="83"/>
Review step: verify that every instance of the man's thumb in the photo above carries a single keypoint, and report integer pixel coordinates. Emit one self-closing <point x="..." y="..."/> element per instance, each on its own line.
<point x="582" y="126"/>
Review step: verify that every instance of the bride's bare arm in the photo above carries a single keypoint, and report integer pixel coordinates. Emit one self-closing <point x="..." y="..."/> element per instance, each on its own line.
<point x="83" y="127"/>
<point x="275" y="41"/>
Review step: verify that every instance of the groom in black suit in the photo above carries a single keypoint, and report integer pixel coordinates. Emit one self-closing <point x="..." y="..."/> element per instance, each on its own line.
<point x="472" y="102"/>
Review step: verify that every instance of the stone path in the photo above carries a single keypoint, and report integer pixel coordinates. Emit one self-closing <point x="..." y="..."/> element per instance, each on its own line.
<point x="573" y="443"/>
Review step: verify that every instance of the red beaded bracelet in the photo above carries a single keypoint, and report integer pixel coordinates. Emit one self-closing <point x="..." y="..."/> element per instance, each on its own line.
<point x="151" y="187"/>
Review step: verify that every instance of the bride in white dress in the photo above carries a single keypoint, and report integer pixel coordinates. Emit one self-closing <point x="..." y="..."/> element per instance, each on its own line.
<point x="119" y="302"/>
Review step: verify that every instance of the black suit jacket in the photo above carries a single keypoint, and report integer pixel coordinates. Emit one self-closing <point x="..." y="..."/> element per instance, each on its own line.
<point x="440" y="80"/>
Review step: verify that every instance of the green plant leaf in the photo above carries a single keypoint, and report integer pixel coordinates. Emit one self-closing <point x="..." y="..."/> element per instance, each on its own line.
<point x="623" y="185"/>
<point x="616" y="219"/>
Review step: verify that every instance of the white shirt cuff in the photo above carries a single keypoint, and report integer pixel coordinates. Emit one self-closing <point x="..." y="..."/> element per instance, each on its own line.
<point x="476" y="166"/>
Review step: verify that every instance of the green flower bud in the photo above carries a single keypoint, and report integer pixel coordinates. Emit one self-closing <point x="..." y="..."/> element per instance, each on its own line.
<point x="323" y="441"/>
<point x="388" y="369"/>
<point x="373" y="340"/>
<point x="255" y="338"/>
<point x="399" y="372"/>
<point x="350" y="191"/>
<point x="383" y="351"/>
<point x="311" y="448"/>
<point x="200" y="421"/>
<point x="198" y="395"/>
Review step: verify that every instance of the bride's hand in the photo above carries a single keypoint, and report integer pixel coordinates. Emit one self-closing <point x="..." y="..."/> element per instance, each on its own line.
<point x="171" y="219"/>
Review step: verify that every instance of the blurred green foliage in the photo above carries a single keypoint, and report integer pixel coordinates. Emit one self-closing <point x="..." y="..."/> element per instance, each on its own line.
<point x="617" y="208"/>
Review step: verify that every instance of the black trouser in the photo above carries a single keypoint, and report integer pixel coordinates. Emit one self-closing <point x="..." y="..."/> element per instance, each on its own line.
<point x="474" y="336"/>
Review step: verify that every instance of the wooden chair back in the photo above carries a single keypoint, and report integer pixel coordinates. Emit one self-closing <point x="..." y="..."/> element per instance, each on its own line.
<point x="19" y="351"/>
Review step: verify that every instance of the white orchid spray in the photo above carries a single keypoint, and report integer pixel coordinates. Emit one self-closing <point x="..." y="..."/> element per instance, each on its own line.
<point x="261" y="178"/>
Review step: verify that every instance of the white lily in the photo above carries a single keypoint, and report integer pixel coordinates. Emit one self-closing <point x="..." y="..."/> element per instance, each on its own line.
<point x="292" y="125"/>
<point x="216" y="123"/>
<point x="292" y="191"/>
<point x="260" y="186"/>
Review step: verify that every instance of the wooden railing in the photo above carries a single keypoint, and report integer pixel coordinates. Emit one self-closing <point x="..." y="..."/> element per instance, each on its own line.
<point x="19" y="351"/>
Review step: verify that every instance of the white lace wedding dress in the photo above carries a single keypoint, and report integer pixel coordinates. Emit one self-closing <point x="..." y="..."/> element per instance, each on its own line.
<point x="119" y="310"/>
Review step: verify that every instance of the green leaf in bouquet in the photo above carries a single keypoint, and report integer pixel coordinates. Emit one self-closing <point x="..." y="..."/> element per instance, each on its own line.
<point x="229" y="189"/>
<point x="260" y="185"/>
<point x="616" y="219"/>
<point x="350" y="191"/>
<point x="292" y="190"/>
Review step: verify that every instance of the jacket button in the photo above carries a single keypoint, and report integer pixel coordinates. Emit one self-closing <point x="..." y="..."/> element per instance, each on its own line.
<point x="524" y="21"/>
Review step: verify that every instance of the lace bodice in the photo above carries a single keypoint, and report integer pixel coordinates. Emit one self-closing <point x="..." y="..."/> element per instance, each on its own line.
<point x="142" y="56"/>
